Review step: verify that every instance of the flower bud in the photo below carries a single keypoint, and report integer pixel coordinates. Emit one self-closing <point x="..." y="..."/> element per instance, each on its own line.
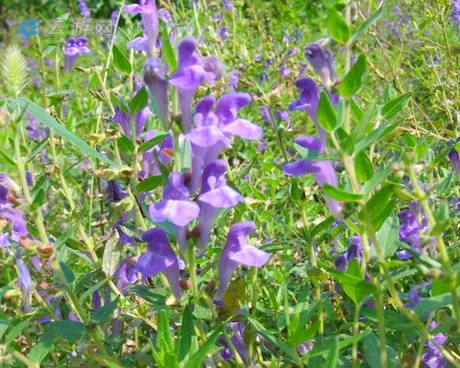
<point x="46" y="251"/>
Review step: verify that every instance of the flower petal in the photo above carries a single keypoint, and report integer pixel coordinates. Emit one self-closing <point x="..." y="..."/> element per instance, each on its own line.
<point x="250" y="256"/>
<point x="244" y="129"/>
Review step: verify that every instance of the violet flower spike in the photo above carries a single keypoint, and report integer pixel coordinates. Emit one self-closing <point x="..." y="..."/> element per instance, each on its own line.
<point x="176" y="208"/>
<point x="237" y="252"/>
<point x="215" y="194"/>
<point x="160" y="257"/>
<point x="323" y="171"/>
<point x="322" y="63"/>
<point x="193" y="70"/>
<point x="149" y="15"/>
<point x="84" y="10"/>
<point x="24" y="280"/>
<point x="454" y="157"/>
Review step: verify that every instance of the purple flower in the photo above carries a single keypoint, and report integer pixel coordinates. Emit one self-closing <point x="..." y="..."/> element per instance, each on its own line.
<point x="265" y="112"/>
<point x="233" y="78"/>
<point x="24" y="281"/>
<point x="258" y="58"/>
<point x="149" y="15"/>
<point x="155" y="80"/>
<point x="262" y="146"/>
<point x="238" y="342"/>
<point x="304" y="348"/>
<point x="237" y="252"/>
<point x="35" y="129"/>
<point x="73" y="49"/>
<point x="354" y="251"/>
<point x="432" y="357"/>
<point x="126" y="274"/>
<point x="17" y="220"/>
<point x="114" y="191"/>
<point x="323" y="171"/>
<point x="84" y="10"/>
<point x="284" y="71"/>
<point x="414" y="297"/>
<point x="114" y="16"/>
<point x="308" y="102"/>
<point x="223" y="33"/>
<point x="215" y="194"/>
<point x="176" y="207"/>
<point x="164" y="15"/>
<point x="163" y="152"/>
<point x="160" y="257"/>
<point x="4" y="242"/>
<point x="193" y="70"/>
<point x="227" y="5"/>
<point x="454" y="157"/>
<point x="291" y="52"/>
<point x="124" y="120"/>
<point x="284" y="116"/>
<point x="410" y="232"/>
<point x="213" y="130"/>
<point x="455" y="14"/>
<point x="321" y="62"/>
<point x="117" y="226"/>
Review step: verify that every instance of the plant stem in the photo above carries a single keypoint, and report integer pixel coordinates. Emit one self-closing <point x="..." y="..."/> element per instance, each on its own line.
<point x="354" y="349"/>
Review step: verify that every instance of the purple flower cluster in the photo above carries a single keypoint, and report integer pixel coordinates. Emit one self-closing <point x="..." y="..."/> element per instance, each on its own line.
<point x="455" y="11"/>
<point x="411" y="231"/>
<point x="432" y="357"/>
<point x="354" y="251"/>
<point x="209" y="128"/>
<point x="74" y="48"/>
<point x="84" y="10"/>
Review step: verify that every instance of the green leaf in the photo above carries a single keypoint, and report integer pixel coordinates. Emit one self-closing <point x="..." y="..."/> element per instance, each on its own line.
<point x="333" y="356"/>
<point x="377" y="135"/>
<point x="42" y="348"/>
<point x="149" y="184"/>
<point x="376" y="179"/>
<point x="120" y="61"/>
<point x="37" y="149"/>
<point x="139" y="101"/>
<point x="51" y="123"/>
<point x="363" y="167"/>
<point x="112" y="254"/>
<point x="327" y="116"/>
<point x="185" y="154"/>
<point x="371" y="348"/>
<point x="164" y="337"/>
<point x="324" y="348"/>
<point x="16" y="330"/>
<point x="395" y="106"/>
<point x="156" y="297"/>
<point x="303" y="334"/>
<point x="340" y="194"/>
<point x="152" y="142"/>
<point x="104" y="314"/>
<point x="354" y="79"/>
<point x="433" y="303"/>
<point x="379" y="207"/>
<point x="290" y="351"/>
<point x="4" y="324"/>
<point x="69" y="330"/>
<point x="38" y="200"/>
<point x="167" y="48"/>
<point x="388" y="236"/>
<point x="197" y="359"/>
<point x="369" y="22"/>
<point x="337" y="27"/>
<point x="440" y="286"/>
<point x="186" y="332"/>
<point x="5" y="159"/>
<point x="67" y="272"/>
<point x="125" y="144"/>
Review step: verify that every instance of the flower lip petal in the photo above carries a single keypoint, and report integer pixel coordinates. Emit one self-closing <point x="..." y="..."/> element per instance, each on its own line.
<point x="244" y="129"/>
<point x="250" y="256"/>
<point x="310" y="142"/>
<point x="223" y="197"/>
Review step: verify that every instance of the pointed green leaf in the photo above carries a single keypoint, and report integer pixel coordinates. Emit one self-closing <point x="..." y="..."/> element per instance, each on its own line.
<point x="354" y="79"/>
<point x="327" y="116"/>
<point x="337" y="27"/>
<point x="51" y="123"/>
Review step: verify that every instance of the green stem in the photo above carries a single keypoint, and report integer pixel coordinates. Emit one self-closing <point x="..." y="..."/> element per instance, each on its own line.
<point x="354" y="349"/>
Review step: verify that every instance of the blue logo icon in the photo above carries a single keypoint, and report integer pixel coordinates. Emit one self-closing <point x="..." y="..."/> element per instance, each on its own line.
<point x="29" y="27"/>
